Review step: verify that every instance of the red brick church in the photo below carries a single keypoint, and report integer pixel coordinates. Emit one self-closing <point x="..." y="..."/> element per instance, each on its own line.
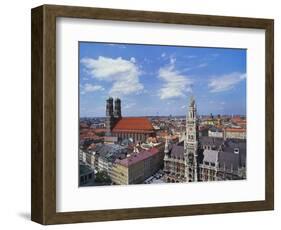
<point x="137" y="128"/>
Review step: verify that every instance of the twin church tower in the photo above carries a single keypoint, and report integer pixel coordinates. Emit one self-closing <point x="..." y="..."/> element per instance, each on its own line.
<point x="113" y="113"/>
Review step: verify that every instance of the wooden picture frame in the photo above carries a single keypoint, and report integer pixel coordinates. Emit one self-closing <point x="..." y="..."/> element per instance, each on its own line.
<point x="43" y="208"/>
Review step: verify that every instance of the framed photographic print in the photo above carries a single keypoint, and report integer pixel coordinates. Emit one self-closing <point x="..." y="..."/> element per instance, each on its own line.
<point x="141" y="114"/>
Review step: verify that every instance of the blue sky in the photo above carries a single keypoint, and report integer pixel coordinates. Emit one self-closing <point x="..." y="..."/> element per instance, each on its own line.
<point x="158" y="80"/>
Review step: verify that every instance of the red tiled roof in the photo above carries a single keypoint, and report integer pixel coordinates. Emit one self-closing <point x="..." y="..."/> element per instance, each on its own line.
<point x="137" y="157"/>
<point x="133" y="123"/>
<point x="203" y="128"/>
<point x="235" y="130"/>
<point x="99" y="130"/>
<point x="83" y="125"/>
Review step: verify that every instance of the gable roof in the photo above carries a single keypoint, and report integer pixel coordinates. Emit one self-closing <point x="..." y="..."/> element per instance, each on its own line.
<point x="215" y="141"/>
<point x="210" y="155"/>
<point x="133" y="123"/>
<point x="137" y="157"/>
<point x="177" y="151"/>
<point x="241" y="130"/>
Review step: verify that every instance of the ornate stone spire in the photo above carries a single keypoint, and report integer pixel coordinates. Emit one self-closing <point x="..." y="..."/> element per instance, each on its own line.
<point x="191" y="109"/>
<point x="192" y="101"/>
<point x="191" y="142"/>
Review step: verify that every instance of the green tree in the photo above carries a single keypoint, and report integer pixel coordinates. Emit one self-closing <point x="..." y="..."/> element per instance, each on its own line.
<point x="102" y="177"/>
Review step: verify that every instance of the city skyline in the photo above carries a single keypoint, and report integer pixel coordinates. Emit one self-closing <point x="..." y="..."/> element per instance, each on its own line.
<point x="161" y="79"/>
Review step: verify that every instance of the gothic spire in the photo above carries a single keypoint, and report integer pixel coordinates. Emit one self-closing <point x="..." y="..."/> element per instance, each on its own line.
<point x="192" y="101"/>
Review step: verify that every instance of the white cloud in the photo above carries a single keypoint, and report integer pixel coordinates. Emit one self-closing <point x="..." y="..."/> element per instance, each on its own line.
<point x="187" y="69"/>
<point x="225" y="82"/>
<point x="129" y="105"/>
<point x="190" y="56"/>
<point x="124" y="74"/>
<point x="146" y="60"/>
<point x="175" y="85"/>
<point x="163" y="55"/>
<point x="202" y="65"/>
<point x="172" y="60"/>
<point x="88" y="88"/>
<point x="132" y="59"/>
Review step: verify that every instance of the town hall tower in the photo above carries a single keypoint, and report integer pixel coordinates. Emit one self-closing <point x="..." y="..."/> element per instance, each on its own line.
<point x="191" y="143"/>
